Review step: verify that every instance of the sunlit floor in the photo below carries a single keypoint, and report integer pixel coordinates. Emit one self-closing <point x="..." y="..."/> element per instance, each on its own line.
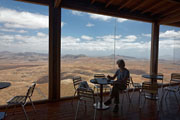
<point x="64" y="110"/>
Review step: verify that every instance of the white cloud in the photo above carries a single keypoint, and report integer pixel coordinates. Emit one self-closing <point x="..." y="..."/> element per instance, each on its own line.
<point x="40" y="34"/>
<point x="105" y="18"/>
<point x="170" y="34"/>
<point x="99" y="17"/>
<point x="129" y="38"/>
<point x="85" y="37"/>
<point x="12" y="30"/>
<point x="89" y="25"/>
<point x="104" y="43"/>
<point x="24" y="43"/>
<point x="77" y="13"/>
<point x="146" y="35"/>
<point x="62" y="24"/>
<point x="121" y="20"/>
<point x="21" y="19"/>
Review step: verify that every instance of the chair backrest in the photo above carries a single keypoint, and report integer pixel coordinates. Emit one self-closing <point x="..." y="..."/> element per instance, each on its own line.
<point x="99" y="76"/>
<point x="149" y="87"/>
<point x="175" y="78"/>
<point x="30" y="90"/>
<point x="131" y="81"/>
<point x="86" y="94"/>
<point x="76" y="81"/>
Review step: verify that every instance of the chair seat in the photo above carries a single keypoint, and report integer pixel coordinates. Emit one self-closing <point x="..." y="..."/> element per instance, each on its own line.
<point x="17" y="100"/>
<point x="104" y="86"/>
<point x="172" y="89"/>
<point x="137" y="85"/>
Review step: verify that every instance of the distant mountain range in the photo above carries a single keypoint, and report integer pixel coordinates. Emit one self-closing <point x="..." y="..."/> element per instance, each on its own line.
<point x="33" y="56"/>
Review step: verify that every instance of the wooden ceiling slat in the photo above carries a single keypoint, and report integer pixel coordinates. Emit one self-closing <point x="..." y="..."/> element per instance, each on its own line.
<point x="109" y="3"/>
<point x="95" y="8"/>
<point x="170" y="12"/>
<point x="153" y="6"/>
<point x="139" y="5"/>
<point x="170" y="20"/>
<point x="174" y="1"/>
<point x="166" y="7"/>
<point x="57" y="3"/>
<point x="125" y="4"/>
<point x="40" y="2"/>
<point x="171" y="16"/>
<point x="93" y="1"/>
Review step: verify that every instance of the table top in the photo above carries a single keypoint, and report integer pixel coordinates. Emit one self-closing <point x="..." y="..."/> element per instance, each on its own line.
<point x="4" y="85"/>
<point x="159" y="77"/>
<point x="102" y="81"/>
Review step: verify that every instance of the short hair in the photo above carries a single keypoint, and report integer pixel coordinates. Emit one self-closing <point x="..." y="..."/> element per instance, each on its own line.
<point x="121" y="61"/>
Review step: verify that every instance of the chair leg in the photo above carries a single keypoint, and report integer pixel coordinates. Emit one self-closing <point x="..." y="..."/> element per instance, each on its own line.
<point x="73" y="98"/>
<point x="32" y="105"/>
<point x="77" y="110"/>
<point x="132" y="92"/>
<point x="25" y="112"/>
<point x="176" y="98"/>
<point x="128" y="96"/>
<point x="95" y="112"/>
<point x="14" y="109"/>
<point x="6" y="109"/>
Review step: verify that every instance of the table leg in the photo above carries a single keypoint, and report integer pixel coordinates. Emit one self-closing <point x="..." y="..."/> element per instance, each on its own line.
<point x="100" y="105"/>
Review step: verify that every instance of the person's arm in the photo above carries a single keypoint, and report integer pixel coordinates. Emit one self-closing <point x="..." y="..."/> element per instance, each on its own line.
<point x="113" y="77"/>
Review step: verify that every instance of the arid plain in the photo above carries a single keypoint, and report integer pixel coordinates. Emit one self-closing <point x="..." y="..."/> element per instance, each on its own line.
<point x="21" y="69"/>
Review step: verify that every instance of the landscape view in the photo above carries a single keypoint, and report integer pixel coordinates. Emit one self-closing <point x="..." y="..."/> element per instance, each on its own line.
<point x="89" y="43"/>
<point x="21" y="69"/>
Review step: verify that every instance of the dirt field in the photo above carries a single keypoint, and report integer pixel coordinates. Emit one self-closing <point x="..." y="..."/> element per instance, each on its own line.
<point x="21" y="73"/>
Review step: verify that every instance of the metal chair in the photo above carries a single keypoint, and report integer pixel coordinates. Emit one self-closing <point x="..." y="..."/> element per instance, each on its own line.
<point x="175" y="79"/>
<point x="22" y="100"/>
<point x="87" y="96"/>
<point x="135" y="86"/>
<point x="126" y="91"/>
<point x="150" y="92"/>
<point x="76" y="82"/>
<point x="97" y="87"/>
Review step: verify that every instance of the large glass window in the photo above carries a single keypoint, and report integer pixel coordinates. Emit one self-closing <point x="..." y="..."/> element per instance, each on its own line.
<point x="23" y="49"/>
<point x="92" y="44"/>
<point x="169" y="51"/>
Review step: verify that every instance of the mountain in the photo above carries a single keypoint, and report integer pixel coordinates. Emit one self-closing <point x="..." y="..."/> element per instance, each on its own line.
<point x="70" y="56"/>
<point x="26" y="56"/>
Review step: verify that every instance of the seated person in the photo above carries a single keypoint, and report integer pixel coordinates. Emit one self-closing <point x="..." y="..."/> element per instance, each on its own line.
<point x="122" y="75"/>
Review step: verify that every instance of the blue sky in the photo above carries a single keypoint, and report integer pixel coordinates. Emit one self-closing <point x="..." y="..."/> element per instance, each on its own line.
<point x="24" y="28"/>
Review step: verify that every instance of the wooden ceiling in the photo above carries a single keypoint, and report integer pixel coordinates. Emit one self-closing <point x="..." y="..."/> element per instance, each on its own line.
<point x="165" y="12"/>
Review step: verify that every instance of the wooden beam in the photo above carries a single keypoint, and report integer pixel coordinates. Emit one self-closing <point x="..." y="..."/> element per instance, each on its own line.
<point x="57" y="3"/>
<point x="170" y="12"/>
<point x="165" y="7"/>
<point x="109" y="3"/>
<point x="154" y="48"/>
<point x="153" y="6"/>
<point x="125" y="4"/>
<point x="139" y="5"/>
<point x="99" y="8"/>
<point x="170" y="20"/>
<point x="40" y="2"/>
<point x="93" y="1"/>
<point x="54" y="51"/>
<point x="174" y="1"/>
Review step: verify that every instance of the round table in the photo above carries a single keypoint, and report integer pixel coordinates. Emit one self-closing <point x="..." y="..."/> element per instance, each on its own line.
<point x="4" y="85"/>
<point x="101" y="81"/>
<point x="157" y="77"/>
